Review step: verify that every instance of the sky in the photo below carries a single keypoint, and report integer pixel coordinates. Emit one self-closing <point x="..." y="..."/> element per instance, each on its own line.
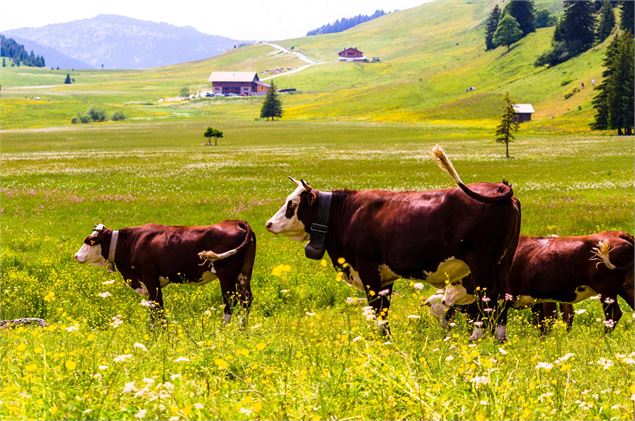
<point x="237" y="19"/>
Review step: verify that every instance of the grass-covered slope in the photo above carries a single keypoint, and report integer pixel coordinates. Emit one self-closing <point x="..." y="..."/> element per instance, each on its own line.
<point x="430" y="54"/>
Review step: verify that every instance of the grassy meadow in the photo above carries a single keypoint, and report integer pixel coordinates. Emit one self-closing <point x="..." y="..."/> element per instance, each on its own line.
<point x="307" y="352"/>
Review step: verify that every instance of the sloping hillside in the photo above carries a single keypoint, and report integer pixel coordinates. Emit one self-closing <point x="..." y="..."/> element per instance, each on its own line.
<point x="430" y="54"/>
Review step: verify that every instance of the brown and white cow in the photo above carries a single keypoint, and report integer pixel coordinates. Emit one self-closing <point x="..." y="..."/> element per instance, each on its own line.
<point x="571" y="269"/>
<point x="151" y="256"/>
<point x="377" y="236"/>
<point x="565" y="270"/>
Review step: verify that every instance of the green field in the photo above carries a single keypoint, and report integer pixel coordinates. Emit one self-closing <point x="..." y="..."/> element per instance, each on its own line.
<point x="306" y="353"/>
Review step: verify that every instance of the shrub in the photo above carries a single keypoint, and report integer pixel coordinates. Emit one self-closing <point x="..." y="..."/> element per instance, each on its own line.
<point x="566" y="82"/>
<point x="96" y="114"/>
<point x="118" y="116"/>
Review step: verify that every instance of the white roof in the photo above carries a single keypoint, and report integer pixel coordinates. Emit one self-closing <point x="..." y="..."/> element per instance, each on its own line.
<point x="524" y="108"/>
<point x="232" y="76"/>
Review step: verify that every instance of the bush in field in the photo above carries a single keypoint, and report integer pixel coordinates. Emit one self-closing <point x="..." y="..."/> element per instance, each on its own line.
<point x="81" y="118"/>
<point x="185" y="92"/>
<point x="118" y="116"/>
<point x="97" y="114"/>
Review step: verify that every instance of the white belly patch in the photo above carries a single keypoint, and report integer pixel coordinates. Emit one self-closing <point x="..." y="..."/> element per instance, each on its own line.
<point x="450" y="270"/>
<point x="581" y="293"/>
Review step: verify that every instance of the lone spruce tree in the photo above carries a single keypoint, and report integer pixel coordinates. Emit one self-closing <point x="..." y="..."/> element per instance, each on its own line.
<point x="68" y="80"/>
<point x="272" y="106"/>
<point x="524" y="13"/>
<point x="504" y="132"/>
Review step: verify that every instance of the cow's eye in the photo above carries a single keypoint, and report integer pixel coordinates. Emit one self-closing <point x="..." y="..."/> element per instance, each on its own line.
<point x="290" y="210"/>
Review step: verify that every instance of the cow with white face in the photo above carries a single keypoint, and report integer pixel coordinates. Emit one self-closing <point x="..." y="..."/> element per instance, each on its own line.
<point x="151" y="256"/>
<point x="286" y="220"/>
<point x="376" y="236"/>
<point x="91" y="250"/>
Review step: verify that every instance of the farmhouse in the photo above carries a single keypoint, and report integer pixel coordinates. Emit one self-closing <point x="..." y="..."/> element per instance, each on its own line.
<point x="523" y="112"/>
<point x="352" y="54"/>
<point x="238" y="83"/>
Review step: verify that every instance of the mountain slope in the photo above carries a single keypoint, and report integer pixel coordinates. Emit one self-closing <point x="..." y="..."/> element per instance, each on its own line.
<point x="125" y="43"/>
<point x="53" y="57"/>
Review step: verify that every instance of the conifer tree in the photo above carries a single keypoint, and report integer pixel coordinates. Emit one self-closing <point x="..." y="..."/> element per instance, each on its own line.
<point x="578" y="26"/>
<point x="508" y="32"/>
<point x="620" y="87"/>
<point x="490" y="27"/>
<point x="509" y="124"/>
<point x="600" y="102"/>
<point x="68" y="80"/>
<point x="272" y="106"/>
<point x="524" y="13"/>
<point x="606" y="23"/>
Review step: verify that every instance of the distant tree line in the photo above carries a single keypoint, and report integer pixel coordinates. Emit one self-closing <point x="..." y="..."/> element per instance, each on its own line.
<point x="345" y="23"/>
<point x="11" y="49"/>
<point x="583" y="24"/>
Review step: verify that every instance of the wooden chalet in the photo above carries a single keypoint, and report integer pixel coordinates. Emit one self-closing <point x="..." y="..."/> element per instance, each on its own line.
<point x="352" y="54"/>
<point x="238" y="83"/>
<point x="523" y="112"/>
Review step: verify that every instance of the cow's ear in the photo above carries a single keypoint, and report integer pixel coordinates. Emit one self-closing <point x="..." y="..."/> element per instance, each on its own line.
<point x="306" y="185"/>
<point x="312" y="197"/>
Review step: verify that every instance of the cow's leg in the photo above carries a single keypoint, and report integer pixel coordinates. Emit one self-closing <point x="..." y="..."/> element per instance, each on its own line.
<point x="545" y="315"/>
<point x="378" y="296"/>
<point x="155" y="294"/>
<point x="567" y="314"/>
<point x="612" y="312"/>
<point x="228" y="285"/>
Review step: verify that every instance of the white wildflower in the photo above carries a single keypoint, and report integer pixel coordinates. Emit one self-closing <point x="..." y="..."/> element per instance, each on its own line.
<point x="564" y="358"/>
<point x="145" y="303"/>
<point x="605" y="363"/>
<point x="479" y="380"/>
<point x="308" y="313"/>
<point x="175" y="376"/>
<point x="87" y="411"/>
<point x="357" y="338"/>
<point x="544" y="366"/>
<point x="181" y="360"/>
<point x="103" y="367"/>
<point x="129" y="387"/>
<point x="140" y="346"/>
<point x="483" y="402"/>
<point x="246" y="411"/>
<point x="508" y="297"/>
<point x="148" y="380"/>
<point x="112" y="281"/>
<point x="502" y="351"/>
<point x="104" y="294"/>
<point x="351" y="300"/>
<point x="383" y="292"/>
<point x="545" y="396"/>
<point x="419" y="286"/>
<point x="449" y="358"/>
<point x="609" y="300"/>
<point x="198" y="405"/>
<point x="116" y="321"/>
<point x="580" y="311"/>
<point x="414" y="316"/>
<point x="609" y="323"/>
<point x="141" y="414"/>
<point x="122" y="358"/>
<point x="72" y="328"/>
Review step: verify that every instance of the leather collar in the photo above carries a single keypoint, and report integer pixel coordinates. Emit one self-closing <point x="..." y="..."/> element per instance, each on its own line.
<point x="316" y="247"/>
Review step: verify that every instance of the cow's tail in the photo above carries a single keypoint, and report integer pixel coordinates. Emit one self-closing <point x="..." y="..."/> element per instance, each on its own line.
<point x="211" y="256"/>
<point x="446" y="165"/>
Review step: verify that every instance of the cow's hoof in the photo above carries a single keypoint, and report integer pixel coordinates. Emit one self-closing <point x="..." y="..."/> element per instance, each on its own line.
<point x="476" y="334"/>
<point x="501" y="333"/>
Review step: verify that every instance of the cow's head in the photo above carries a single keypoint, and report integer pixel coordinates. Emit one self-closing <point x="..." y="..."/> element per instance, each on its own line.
<point x="95" y="247"/>
<point x="297" y="213"/>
